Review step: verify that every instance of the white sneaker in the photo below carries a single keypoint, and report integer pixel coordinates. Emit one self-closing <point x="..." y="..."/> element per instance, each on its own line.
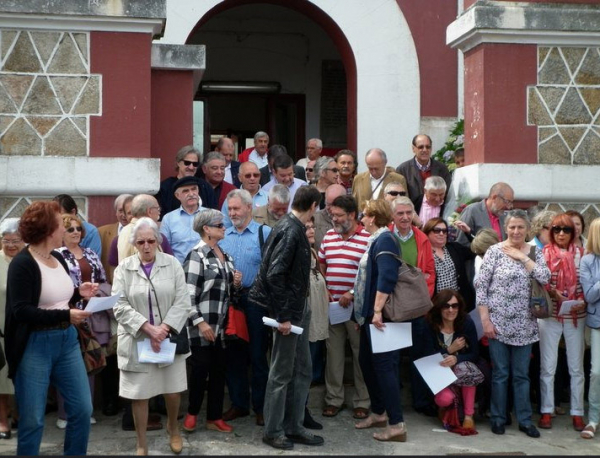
<point x="92" y="421"/>
<point x="61" y="424"/>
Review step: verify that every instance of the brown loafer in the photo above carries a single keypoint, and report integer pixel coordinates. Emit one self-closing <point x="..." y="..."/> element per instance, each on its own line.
<point x="260" y="419"/>
<point x="233" y="413"/>
<point x="176" y="443"/>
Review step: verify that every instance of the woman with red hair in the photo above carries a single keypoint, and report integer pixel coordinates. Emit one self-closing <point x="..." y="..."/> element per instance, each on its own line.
<point x="563" y="257"/>
<point x="41" y="344"/>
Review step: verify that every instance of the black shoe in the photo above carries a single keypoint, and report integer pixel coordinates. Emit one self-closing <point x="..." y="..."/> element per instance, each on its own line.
<point x="110" y="409"/>
<point x="429" y="411"/>
<point x="310" y="422"/>
<point x="5" y="434"/>
<point x="530" y="430"/>
<point x="508" y="419"/>
<point x="306" y="439"/>
<point x="280" y="442"/>
<point x="497" y="428"/>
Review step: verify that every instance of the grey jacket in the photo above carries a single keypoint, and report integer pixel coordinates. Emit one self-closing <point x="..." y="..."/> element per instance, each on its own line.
<point x="132" y="310"/>
<point x="476" y="216"/>
<point x="413" y="177"/>
<point x="589" y="276"/>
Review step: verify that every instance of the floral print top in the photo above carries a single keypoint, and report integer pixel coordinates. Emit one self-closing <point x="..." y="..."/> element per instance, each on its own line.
<point x="504" y="286"/>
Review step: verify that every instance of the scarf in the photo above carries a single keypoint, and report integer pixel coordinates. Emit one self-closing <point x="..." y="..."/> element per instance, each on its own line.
<point x="562" y="264"/>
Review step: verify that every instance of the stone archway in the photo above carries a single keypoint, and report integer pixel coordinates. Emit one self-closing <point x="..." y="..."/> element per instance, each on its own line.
<point x="379" y="56"/>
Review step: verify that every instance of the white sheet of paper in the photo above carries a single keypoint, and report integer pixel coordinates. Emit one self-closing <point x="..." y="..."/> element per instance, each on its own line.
<point x="437" y="377"/>
<point x="393" y="337"/>
<point x="98" y="304"/>
<point x="166" y="354"/>
<point x="339" y="314"/>
<point x="566" y="306"/>
<point x="274" y="324"/>
<point x="474" y="314"/>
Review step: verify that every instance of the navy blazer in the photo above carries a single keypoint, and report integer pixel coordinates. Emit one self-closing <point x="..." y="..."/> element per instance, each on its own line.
<point x="235" y="171"/>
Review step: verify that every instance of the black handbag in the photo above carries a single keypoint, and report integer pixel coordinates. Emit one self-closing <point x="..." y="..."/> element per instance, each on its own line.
<point x="180" y="339"/>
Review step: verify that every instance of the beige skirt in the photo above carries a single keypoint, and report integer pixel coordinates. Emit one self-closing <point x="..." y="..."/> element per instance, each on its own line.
<point x="6" y="384"/>
<point x="158" y="380"/>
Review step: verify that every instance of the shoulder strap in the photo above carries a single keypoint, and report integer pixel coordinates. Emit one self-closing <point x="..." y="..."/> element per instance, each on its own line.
<point x="532" y="253"/>
<point x="261" y="237"/>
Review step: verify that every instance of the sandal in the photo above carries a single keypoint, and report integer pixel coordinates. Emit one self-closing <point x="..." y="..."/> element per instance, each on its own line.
<point x="370" y="422"/>
<point x="360" y="413"/>
<point x="386" y="435"/>
<point x="588" y="432"/>
<point x="332" y="411"/>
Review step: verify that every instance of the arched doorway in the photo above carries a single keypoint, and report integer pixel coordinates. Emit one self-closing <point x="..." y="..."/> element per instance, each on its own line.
<point x="374" y="45"/>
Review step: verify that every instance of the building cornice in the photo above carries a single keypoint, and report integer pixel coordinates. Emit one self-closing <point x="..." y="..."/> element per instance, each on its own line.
<point x="552" y="24"/>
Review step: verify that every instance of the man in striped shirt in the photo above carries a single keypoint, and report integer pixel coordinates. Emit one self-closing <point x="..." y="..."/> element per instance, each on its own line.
<point x="339" y="255"/>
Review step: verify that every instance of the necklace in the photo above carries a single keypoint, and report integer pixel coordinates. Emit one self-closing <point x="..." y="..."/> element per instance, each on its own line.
<point x="45" y="256"/>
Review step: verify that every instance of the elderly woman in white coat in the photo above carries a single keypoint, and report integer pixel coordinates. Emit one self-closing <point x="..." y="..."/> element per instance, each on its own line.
<point x="154" y="302"/>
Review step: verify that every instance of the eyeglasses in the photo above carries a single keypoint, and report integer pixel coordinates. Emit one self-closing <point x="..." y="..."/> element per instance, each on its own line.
<point x="450" y="306"/>
<point x="396" y="193"/>
<point x="507" y="202"/>
<point x="156" y="208"/>
<point x="439" y="230"/>
<point x="558" y="229"/>
<point x="193" y="163"/>
<point x="11" y="242"/>
<point x="252" y="175"/>
<point x="220" y="225"/>
<point x="335" y="170"/>
<point x="309" y="227"/>
<point x="143" y="242"/>
<point x="73" y="229"/>
<point x="309" y="169"/>
<point x="423" y="147"/>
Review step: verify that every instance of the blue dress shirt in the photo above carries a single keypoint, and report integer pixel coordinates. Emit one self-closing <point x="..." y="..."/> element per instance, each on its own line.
<point x="244" y="248"/>
<point x="177" y="227"/>
<point x="260" y="198"/>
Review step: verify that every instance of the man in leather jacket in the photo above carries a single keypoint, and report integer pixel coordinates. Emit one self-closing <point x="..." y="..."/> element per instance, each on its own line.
<point x="282" y="285"/>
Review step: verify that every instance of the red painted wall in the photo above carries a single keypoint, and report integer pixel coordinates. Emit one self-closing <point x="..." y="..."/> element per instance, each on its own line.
<point x="496" y="127"/>
<point x="123" y="130"/>
<point x="438" y="63"/>
<point x="468" y="3"/>
<point x="171" y="124"/>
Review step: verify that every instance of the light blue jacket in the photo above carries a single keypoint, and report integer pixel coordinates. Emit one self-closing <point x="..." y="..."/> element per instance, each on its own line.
<point x="589" y="274"/>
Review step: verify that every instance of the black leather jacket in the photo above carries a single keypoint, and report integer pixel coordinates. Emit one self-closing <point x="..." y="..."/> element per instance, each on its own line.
<point x="282" y="283"/>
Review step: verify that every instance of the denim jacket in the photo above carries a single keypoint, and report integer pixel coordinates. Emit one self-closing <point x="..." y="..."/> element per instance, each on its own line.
<point x="589" y="275"/>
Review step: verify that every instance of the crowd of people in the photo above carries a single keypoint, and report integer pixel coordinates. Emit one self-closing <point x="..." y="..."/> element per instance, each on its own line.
<point x="225" y="245"/>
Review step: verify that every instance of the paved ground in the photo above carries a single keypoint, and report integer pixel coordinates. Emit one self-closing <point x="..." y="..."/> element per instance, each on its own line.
<point x="425" y="437"/>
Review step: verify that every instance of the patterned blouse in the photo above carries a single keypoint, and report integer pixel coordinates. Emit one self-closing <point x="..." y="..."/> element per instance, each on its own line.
<point x="210" y="284"/>
<point x="504" y="286"/>
<point x="445" y="272"/>
<point x="98" y="274"/>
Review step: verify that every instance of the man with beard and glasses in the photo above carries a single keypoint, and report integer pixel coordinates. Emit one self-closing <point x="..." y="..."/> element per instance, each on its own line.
<point x="276" y="208"/>
<point x="243" y="242"/>
<point x="249" y="177"/>
<point x="339" y="255"/>
<point x="177" y="225"/>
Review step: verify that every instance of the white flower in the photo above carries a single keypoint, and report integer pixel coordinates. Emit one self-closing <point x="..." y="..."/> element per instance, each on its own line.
<point x="459" y="140"/>
<point x="448" y="155"/>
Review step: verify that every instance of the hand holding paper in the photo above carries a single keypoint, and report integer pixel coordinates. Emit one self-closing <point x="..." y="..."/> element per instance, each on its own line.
<point x="98" y="304"/>
<point x="437" y="377"/>
<point x="274" y="324"/>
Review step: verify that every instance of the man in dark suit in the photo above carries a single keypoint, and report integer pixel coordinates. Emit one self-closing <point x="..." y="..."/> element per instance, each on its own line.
<point x="226" y="147"/>
<point x="421" y="167"/>
<point x="266" y="173"/>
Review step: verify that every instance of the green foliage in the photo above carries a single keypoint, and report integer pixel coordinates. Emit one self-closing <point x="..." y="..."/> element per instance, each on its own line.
<point x="456" y="140"/>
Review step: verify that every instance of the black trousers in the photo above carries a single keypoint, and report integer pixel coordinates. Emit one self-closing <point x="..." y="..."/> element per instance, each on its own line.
<point x="207" y="369"/>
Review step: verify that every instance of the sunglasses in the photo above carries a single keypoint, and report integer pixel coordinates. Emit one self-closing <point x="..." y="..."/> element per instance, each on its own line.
<point x="439" y="230"/>
<point x="450" y="306"/>
<point x="193" y="163"/>
<point x="143" y="242"/>
<point x="220" y="225"/>
<point x="309" y="169"/>
<point x="397" y="193"/>
<point x="559" y="229"/>
<point x="73" y="229"/>
<point x="252" y="175"/>
<point x="336" y="170"/>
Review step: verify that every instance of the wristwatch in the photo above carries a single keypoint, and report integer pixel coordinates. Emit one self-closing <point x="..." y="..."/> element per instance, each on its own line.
<point x="351" y="291"/>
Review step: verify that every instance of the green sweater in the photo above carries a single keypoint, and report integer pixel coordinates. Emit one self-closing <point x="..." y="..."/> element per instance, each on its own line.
<point x="409" y="251"/>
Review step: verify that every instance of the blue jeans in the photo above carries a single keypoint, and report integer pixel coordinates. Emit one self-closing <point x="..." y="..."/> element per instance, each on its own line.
<point x="381" y="374"/>
<point x="506" y="359"/>
<point x="289" y="382"/>
<point x="53" y="356"/>
<point x="422" y="397"/>
<point x="256" y="350"/>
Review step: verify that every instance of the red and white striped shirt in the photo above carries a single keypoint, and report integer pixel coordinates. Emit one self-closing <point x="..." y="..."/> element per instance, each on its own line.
<point x="341" y="258"/>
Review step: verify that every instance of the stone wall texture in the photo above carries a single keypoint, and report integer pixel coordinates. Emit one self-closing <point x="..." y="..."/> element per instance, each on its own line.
<point x="565" y="105"/>
<point x="589" y="211"/>
<point x="47" y="93"/>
